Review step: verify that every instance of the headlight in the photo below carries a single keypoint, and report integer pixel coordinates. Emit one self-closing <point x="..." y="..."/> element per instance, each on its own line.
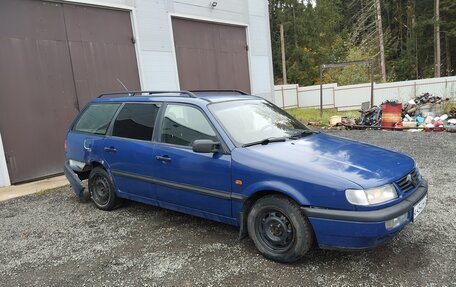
<point x="371" y="196"/>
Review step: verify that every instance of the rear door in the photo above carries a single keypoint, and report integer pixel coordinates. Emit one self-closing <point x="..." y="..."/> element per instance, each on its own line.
<point x="185" y="178"/>
<point x="129" y="151"/>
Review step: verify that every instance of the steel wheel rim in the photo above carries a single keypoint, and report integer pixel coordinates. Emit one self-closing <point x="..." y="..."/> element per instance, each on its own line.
<point x="275" y="230"/>
<point x="100" y="190"/>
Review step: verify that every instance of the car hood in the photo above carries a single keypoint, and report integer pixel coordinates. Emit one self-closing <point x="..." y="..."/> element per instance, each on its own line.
<point x="363" y="164"/>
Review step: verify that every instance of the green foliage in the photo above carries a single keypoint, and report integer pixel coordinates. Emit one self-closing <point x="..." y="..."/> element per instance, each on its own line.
<point x="313" y="115"/>
<point x="351" y="74"/>
<point x="312" y="37"/>
<point x="334" y="31"/>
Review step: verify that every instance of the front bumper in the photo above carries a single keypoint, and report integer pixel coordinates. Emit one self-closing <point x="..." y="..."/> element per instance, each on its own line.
<point x="341" y="229"/>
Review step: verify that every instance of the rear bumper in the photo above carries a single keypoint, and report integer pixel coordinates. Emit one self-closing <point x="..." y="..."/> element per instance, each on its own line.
<point x="74" y="180"/>
<point x="340" y="229"/>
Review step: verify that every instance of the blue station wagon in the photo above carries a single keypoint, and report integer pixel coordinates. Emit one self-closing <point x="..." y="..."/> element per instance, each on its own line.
<point x="238" y="159"/>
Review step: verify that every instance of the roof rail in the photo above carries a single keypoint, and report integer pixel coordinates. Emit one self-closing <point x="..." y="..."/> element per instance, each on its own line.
<point x="220" y="90"/>
<point x="134" y="93"/>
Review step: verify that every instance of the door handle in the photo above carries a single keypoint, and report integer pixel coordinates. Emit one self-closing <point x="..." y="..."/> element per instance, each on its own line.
<point x="163" y="158"/>
<point x="110" y="149"/>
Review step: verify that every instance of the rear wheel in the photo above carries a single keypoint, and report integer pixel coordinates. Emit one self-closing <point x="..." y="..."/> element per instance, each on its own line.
<point x="102" y="189"/>
<point x="279" y="229"/>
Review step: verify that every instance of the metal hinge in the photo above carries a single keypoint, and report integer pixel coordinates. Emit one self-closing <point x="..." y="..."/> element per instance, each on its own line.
<point x="246" y="47"/>
<point x="133" y="40"/>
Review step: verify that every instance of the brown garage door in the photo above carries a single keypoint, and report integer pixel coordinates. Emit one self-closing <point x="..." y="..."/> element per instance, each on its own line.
<point x="50" y="66"/>
<point x="102" y="50"/>
<point x="211" y="55"/>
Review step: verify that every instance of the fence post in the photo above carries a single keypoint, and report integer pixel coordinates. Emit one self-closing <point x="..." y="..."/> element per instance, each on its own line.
<point x="371" y="72"/>
<point x="297" y="95"/>
<point x="283" y="99"/>
<point x="321" y="91"/>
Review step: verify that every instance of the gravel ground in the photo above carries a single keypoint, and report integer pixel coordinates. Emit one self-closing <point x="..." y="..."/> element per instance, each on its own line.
<point x="50" y="239"/>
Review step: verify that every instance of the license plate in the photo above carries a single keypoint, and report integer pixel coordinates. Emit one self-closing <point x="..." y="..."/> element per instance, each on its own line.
<point x="419" y="207"/>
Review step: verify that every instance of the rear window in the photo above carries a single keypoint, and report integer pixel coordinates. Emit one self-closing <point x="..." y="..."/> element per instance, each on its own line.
<point x="136" y="121"/>
<point x="96" y="118"/>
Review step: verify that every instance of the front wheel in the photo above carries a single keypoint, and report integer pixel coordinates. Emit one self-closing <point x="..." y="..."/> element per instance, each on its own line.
<point x="102" y="189"/>
<point x="279" y="229"/>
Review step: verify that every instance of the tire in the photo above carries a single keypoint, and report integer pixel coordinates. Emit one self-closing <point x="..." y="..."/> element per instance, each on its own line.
<point x="279" y="229"/>
<point x="102" y="189"/>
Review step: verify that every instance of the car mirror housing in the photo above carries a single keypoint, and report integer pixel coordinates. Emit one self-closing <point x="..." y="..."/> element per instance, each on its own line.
<point x="205" y="146"/>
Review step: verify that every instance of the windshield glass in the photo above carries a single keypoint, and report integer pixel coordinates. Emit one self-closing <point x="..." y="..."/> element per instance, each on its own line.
<point x="251" y="121"/>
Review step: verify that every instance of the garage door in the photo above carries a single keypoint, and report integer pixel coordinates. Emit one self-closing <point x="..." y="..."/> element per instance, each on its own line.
<point x="102" y="50"/>
<point x="53" y="60"/>
<point x="211" y="55"/>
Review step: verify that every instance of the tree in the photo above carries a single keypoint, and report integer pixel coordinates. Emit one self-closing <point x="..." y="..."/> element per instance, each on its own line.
<point x="310" y="32"/>
<point x="366" y="32"/>
<point x="396" y="32"/>
<point x="448" y="28"/>
<point x="380" y="38"/>
<point x="437" y="53"/>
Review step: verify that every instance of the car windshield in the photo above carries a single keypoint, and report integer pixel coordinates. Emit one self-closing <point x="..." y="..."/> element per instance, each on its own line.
<point x="256" y="121"/>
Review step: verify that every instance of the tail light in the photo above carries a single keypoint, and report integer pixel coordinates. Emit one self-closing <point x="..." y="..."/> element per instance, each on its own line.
<point x="65" y="146"/>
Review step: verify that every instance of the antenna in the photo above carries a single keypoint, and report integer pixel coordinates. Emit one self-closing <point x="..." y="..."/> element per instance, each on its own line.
<point x="125" y="87"/>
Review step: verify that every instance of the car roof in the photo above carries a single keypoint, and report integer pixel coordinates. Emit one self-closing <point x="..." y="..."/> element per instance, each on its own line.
<point x="200" y="98"/>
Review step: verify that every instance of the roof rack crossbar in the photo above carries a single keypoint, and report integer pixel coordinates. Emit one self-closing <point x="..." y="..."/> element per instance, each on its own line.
<point x="134" y="93"/>
<point x="220" y="90"/>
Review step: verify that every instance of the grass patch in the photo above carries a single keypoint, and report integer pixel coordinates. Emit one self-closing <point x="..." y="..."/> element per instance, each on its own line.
<point x="313" y="115"/>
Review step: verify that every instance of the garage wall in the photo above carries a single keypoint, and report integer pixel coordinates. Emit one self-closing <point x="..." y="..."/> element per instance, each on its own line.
<point x="156" y="57"/>
<point x="101" y="49"/>
<point x="155" y="47"/>
<point x="211" y="55"/>
<point x="37" y="96"/>
<point x="53" y="59"/>
<point x="260" y="49"/>
<point x="4" y="176"/>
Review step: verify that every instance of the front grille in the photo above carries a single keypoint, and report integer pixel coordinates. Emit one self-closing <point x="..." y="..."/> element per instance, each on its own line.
<point x="410" y="181"/>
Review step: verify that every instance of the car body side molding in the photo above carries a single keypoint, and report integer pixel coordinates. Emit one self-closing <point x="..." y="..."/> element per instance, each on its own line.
<point x="191" y="188"/>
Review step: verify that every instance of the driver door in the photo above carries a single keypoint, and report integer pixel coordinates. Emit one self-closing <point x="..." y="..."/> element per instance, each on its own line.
<point x="198" y="181"/>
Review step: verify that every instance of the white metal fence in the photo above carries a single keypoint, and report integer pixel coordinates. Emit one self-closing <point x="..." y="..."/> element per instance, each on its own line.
<point x="350" y="97"/>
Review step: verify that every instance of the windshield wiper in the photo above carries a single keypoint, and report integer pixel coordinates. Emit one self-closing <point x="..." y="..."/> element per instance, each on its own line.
<point x="266" y="141"/>
<point x="303" y="133"/>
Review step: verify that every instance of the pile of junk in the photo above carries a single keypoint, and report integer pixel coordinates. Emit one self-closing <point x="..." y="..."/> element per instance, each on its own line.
<point x="423" y="113"/>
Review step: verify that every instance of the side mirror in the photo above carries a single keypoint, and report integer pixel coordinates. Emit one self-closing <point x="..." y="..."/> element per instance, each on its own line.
<point x="205" y="146"/>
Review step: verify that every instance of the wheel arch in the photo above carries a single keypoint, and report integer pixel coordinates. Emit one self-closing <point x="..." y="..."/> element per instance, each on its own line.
<point x="84" y="174"/>
<point x="254" y="197"/>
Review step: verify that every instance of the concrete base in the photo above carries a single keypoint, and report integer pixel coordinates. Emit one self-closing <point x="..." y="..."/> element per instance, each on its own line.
<point x="14" y="191"/>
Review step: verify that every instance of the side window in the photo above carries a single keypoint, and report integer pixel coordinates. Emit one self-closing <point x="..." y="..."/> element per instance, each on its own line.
<point x="136" y="121"/>
<point x="183" y="124"/>
<point x="96" y="118"/>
